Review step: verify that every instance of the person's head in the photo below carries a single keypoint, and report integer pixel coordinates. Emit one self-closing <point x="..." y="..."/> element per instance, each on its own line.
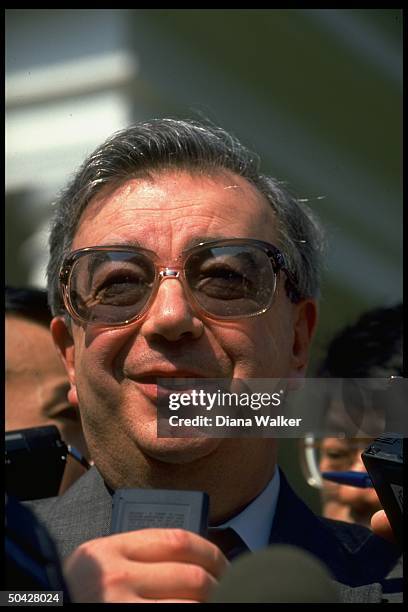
<point x="370" y="348"/>
<point x="154" y="191"/>
<point x="36" y="381"/>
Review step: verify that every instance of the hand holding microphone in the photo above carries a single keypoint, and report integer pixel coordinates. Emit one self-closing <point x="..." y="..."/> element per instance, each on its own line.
<point x="157" y="552"/>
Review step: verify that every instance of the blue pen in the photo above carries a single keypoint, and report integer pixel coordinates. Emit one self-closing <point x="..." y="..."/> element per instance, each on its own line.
<point x="352" y="479"/>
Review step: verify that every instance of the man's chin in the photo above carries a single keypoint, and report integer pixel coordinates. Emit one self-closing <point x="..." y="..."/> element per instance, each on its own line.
<point x="179" y="450"/>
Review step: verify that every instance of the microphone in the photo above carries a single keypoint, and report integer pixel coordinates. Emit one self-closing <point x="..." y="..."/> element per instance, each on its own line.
<point x="278" y="574"/>
<point x="35" y="460"/>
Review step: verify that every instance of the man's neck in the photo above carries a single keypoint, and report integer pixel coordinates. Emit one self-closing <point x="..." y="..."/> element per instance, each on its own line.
<point x="233" y="475"/>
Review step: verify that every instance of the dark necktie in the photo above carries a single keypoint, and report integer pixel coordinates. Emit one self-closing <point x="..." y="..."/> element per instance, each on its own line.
<point x="228" y="541"/>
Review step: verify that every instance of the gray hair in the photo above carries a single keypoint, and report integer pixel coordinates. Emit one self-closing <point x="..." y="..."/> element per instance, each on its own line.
<point x="195" y="146"/>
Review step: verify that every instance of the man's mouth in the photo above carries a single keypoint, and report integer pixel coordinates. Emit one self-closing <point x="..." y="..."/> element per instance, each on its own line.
<point x="164" y="383"/>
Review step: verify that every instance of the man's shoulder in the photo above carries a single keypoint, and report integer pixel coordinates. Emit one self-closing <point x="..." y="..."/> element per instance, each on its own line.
<point x="82" y="513"/>
<point x="87" y="487"/>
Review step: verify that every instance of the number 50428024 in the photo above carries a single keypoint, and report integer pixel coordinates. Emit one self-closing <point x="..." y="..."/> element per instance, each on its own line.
<point x="33" y="597"/>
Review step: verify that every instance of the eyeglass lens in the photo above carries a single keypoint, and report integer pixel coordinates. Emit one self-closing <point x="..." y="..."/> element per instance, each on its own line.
<point x="226" y="281"/>
<point x="231" y="281"/>
<point x="111" y="286"/>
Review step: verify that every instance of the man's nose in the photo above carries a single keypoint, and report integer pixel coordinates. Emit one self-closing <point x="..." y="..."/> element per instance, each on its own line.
<point x="358" y="465"/>
<point x="171" y="315"/>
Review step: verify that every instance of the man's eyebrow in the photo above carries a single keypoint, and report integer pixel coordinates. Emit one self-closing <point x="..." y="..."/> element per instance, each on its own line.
<point x="192" y="242"/>
<point x="122" y="243"/>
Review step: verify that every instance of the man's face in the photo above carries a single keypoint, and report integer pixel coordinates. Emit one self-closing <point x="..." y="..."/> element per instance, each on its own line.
<point x="36" y="382"/>
<point x="342" y="502"/>
<point x="112" y="371"/>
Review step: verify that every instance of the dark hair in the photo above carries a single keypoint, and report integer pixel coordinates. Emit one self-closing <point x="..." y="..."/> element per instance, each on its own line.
<point x="371" y="348"/>
<point x="163" y="144"/>
<point x="28" y="303"/>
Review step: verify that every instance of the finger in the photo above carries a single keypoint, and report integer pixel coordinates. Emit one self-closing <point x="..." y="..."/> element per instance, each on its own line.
<point x="172" y="581"/>
<point x="381" y="526"/>
<point x="177" y="545"/>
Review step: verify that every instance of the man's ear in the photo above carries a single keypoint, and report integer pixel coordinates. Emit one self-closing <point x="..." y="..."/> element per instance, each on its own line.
<point x="305" y="321"/>
<point x="65" y="346"/>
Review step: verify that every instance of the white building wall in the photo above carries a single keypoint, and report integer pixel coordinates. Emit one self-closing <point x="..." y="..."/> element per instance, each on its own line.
<point x="62" y="99"/>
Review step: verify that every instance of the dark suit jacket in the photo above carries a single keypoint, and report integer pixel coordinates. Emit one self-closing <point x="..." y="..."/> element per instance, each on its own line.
<point x="357" y="559"/>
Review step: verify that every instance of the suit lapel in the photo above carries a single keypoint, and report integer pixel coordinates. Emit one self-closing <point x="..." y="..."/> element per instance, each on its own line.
<point x="295" y="524"/>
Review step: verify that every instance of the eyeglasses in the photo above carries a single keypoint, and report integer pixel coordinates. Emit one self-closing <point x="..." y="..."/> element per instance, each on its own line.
<point x="224" y="279"/>
<point x="329" y="455"/>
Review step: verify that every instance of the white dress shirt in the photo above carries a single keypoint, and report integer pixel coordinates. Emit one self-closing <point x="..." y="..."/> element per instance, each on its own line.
<point x="254" y="523"/>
